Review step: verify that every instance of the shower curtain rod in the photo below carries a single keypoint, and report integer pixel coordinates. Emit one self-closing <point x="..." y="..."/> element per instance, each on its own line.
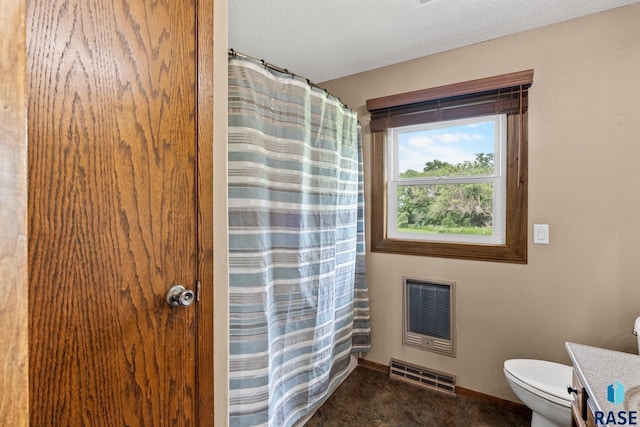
<point x="235" y="53"/>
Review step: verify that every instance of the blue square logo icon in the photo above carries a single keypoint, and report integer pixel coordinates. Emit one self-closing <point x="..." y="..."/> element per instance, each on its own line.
<point x="615" y="393"/>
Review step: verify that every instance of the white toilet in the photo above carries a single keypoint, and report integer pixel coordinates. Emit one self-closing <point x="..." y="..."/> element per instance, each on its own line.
<point x="542" y="386"/>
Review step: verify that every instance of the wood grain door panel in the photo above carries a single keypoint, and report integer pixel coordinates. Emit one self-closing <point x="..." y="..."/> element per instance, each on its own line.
<point x="112" y="211"/>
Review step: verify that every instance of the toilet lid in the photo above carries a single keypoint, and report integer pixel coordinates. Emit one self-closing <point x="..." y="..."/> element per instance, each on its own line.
<point x="548" y="377"/>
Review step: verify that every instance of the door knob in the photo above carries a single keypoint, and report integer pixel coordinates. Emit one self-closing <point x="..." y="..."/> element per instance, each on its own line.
<point x="179" y="296"/>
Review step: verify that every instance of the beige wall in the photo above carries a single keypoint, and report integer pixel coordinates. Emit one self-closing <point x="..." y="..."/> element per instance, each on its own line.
<point x="221" y="246"/>
<point x="584" y="152"/>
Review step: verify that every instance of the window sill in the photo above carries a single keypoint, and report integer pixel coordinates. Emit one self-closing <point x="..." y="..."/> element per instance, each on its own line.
<point x="509" y="253"/>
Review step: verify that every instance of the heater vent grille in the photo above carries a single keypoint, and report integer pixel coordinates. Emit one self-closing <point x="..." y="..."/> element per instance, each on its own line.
<point x="429" y="315"/>
<point x="422" y="377"/>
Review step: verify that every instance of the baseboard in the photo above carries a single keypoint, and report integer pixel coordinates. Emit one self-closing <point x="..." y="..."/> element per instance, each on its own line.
<point x="373" y="366"/>
<point x="503" y="403"/>
<point x="476" y="395"/>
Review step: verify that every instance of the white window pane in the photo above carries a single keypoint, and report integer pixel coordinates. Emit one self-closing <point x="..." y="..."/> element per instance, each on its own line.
<point x="447" y="182"/>
<point x="453" y="148"/>
<point x="445" y="210"/>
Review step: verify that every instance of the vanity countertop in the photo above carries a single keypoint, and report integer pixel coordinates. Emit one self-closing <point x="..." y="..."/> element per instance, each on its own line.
<point x="597" y="368"/>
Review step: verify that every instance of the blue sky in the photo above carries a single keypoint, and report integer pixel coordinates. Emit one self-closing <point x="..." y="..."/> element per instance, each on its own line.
<point x="451" y="144"/>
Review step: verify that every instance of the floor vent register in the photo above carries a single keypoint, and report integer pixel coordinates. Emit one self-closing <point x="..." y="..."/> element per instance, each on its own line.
<point x="422" y="377"/>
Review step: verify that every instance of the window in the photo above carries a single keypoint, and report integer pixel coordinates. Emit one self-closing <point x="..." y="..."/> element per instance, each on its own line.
<point x="447" y="181"/>
<point x="449" y="170"/>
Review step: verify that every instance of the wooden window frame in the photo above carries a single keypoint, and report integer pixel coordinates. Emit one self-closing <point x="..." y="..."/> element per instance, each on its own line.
<point x="514" y="249"/>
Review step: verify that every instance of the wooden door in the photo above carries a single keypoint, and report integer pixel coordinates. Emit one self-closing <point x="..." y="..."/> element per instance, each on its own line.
<point x="113" y="211"/>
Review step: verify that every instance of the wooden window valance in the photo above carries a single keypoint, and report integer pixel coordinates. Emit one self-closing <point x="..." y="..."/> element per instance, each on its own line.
<point x="506" y="93"/>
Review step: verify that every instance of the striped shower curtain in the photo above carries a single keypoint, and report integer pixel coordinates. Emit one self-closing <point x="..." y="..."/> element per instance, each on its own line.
<point x="298" y="294"/>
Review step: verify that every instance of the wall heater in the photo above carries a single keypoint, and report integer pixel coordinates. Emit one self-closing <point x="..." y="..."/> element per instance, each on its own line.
<point x="429" y="320"/>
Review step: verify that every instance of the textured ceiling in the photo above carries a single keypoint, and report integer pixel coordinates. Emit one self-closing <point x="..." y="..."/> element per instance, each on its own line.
<point x="326" y="39"/>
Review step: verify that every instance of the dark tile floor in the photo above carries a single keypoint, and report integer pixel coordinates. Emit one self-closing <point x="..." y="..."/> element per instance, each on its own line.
<point x="369" y="398"/>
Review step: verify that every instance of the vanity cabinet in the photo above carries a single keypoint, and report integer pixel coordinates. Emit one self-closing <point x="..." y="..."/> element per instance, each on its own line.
<point x="595" y="370"/>
<point x="580" y="409"/>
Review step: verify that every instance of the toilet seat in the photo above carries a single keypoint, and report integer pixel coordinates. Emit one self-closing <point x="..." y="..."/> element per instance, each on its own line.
<point x="546" y="379"/>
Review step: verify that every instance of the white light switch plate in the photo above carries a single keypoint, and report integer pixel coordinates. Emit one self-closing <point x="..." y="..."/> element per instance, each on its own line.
<point x="541" y="234"/>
